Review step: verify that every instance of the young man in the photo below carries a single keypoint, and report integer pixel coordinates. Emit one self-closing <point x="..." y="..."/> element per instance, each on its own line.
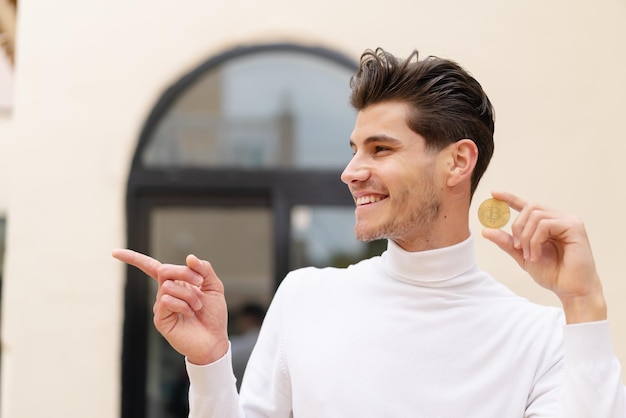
<point x="420" y="331"/>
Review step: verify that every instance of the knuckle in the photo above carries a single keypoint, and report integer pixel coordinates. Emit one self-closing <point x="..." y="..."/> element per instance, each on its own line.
<point x="162" y="271"/>
<point x="167" y="286"/>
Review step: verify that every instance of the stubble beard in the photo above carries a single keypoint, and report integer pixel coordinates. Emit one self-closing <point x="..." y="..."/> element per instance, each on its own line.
<point x="417" y="224"/>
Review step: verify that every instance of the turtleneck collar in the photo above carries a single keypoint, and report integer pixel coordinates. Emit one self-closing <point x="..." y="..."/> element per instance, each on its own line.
<point x="433" y="268"/>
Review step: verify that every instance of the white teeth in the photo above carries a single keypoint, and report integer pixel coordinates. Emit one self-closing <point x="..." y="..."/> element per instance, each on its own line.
<point x="364" y="200"/>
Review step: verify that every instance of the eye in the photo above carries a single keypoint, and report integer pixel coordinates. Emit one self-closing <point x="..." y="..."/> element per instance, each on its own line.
<point x="379" y="149"/>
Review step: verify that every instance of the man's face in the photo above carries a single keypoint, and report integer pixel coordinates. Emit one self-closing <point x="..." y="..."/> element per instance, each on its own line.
<point x="392" y="177"/>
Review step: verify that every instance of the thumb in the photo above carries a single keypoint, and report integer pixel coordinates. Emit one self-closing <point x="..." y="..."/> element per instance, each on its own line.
<point x="505" y="242"/>
<point x="210" y="281"/>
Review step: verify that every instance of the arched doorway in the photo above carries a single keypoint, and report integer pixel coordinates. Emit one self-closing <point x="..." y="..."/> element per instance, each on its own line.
<point x="238" y="163"/>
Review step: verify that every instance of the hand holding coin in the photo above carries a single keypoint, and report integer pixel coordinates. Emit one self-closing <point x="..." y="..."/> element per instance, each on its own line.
<point x="494" y="213"/>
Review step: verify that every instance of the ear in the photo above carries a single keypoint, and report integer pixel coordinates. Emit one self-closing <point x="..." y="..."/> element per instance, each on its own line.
<point x="460" y="161"/>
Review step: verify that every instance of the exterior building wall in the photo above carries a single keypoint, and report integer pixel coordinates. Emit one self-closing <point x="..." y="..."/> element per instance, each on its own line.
<point x="88" y="73"/>
<point x="6" y="140"/>
<point x="6" y="131"/>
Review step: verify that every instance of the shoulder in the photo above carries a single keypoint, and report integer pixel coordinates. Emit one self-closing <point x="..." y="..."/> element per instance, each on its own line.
<point x="309" y="280"/>
<point x="321" y="274"/>
<point x="533" y="320"/>
<point x="519" y="313"/>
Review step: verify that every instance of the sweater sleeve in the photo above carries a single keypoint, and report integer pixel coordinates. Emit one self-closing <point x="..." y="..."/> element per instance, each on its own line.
<point x="212" y="390"/>
<point x="265" y="389"/>
<point x="592" y="384"/>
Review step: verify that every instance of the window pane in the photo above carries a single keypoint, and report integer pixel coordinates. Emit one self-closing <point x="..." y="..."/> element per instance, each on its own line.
<point x="323" y="236"/>
<point x="271" y="110"/>
<point x="238" y="242"/>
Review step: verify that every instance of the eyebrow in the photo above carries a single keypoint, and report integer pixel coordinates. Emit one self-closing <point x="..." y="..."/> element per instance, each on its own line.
<point x="377" y="138"/>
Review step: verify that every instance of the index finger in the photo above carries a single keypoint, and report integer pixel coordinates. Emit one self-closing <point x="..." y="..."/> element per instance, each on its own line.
<point x="148" y="265"/>
<point x="515" y="202"/>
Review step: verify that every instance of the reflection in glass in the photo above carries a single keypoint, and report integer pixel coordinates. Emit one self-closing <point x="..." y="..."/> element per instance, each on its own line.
<point x="238" y="242"/>
<point x="323" y="236"/>
<point x="271" y="110"/>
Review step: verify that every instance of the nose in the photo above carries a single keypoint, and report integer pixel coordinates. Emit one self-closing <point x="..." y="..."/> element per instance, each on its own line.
<point x="355" y="171"/>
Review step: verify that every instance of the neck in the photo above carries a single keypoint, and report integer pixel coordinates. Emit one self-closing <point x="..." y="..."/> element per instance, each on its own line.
<point x="449" y="229"/>
<point x="435" y="268"/>
<point x="450" y="226"/>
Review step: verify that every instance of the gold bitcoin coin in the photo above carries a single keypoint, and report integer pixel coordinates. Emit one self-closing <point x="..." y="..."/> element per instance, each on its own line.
<point x="494" y="213"/>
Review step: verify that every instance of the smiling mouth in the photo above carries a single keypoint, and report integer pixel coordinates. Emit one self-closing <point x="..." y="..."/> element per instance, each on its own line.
<point x="366" y="200"/>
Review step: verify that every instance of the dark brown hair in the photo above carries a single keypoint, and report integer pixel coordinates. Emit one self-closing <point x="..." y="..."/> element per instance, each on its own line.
<point x="447" y="103"/>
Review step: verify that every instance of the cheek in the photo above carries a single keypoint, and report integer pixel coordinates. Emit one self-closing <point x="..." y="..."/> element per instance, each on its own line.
<point x="421" y="188"/>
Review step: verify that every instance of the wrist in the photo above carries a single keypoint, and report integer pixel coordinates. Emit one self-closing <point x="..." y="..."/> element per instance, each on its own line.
<point x="202" y="359"/>
<point x="587" y="308"/>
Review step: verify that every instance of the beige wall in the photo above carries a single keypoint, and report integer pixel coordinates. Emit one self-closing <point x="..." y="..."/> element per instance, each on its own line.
<point x="6" y="140"/>
<point x="6" y="128"/>
<point x="89" y="72"/>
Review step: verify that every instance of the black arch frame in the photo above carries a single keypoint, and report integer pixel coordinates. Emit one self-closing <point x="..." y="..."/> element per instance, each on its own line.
<point x="148" y="188"/>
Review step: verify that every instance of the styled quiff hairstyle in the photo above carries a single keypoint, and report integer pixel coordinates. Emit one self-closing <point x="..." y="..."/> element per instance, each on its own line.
<point x="447" y="104"/>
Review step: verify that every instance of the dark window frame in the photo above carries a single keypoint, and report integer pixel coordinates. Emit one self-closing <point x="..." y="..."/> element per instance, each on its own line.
<point x="148" y="188"/>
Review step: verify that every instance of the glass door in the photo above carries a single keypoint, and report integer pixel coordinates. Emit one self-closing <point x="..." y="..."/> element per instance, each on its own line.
<point x="323" y="236"/>
<point x="226" y="164"/>
<point x="238" y="243"/>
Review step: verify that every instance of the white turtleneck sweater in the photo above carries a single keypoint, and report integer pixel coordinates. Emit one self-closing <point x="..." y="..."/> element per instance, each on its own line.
<point x="423" y="335"/>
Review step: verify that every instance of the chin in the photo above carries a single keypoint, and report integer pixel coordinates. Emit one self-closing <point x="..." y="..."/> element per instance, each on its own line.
<point x="368" y="234"/>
